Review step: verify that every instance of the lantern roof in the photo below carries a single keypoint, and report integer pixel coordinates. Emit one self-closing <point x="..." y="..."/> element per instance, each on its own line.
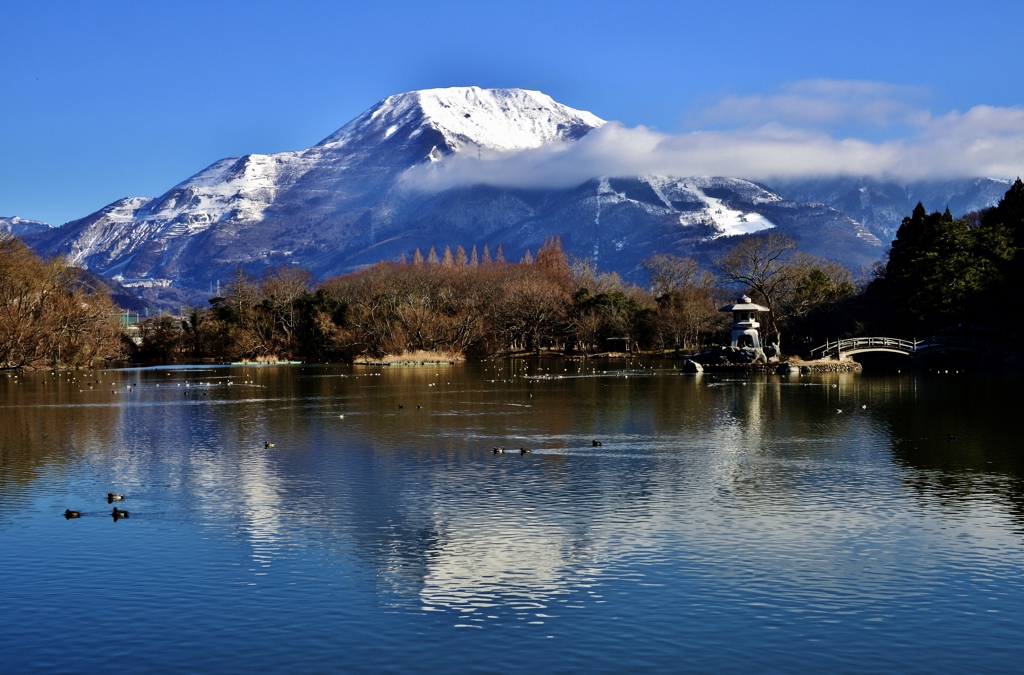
<point x="744" y="304"/>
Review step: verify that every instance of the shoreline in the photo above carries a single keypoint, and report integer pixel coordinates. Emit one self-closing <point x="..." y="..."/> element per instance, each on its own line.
<point x="788" y="367"/>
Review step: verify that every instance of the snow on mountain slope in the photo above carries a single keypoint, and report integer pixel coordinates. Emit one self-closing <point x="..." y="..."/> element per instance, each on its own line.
<point x="496" y="119"/>
<point x="725" y="220"/>
<point x="20" y="227"/>
<point x="109" y="230"/>
<point x="732" y="222"/>
<point x="237" y="188"/>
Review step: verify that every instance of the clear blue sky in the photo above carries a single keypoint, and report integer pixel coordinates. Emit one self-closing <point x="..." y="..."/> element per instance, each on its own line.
<point x="102" y="100"/>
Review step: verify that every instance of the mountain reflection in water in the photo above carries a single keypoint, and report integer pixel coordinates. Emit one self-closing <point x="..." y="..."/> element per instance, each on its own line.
<point x="722" y="521"/>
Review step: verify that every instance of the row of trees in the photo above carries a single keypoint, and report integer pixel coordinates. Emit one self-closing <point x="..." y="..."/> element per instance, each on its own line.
<point x="461" y="259"/>
<point x="397" y="307"/>
<point x="50" y="315"/>
<point x="492" y="308"/>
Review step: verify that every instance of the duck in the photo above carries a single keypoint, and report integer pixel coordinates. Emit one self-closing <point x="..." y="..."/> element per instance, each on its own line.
<point x="69" y="514"/>
<point x="839" y="411"/>
<point x="864" y="406"/>
<point x="119" y="513"/>
<point x="596" y="444"/>
<point x="498" y="451"/>
<point x="113" y="497"/>
<point x="267" y="444"/>
<point x="524" y="451"/>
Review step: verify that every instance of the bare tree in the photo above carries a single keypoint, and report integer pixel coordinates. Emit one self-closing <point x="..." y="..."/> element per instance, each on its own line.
<point x="528" y="308"/>
<point x="583" y="271"/>
<point x="687" y="317"/>
<point x="49" y="316"/>
<point x="669" y="272"/>
<point x="759" y="264"/>
<point x="818" y="284"/>
<point x="687" y="301"/>
<point x="281" y="289"/>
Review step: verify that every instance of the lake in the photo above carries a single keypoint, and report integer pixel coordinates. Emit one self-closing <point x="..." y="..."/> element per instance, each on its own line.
<point x="725" y="524"/>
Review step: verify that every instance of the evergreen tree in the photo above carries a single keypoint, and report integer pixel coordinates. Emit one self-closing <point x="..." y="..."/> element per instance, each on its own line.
<point x="499" y="254"/>
<point x="447" y="260"/>
<point x="914" y="232"/>
<point x="486" y="259"/>
<point x="432" y="256"/>
<point x="460" y="257"/>
<point x="473" y="262"/>
<point x="1010" y="212"/>
<point x="417" y="257"/>
<point x="527" y="258"/>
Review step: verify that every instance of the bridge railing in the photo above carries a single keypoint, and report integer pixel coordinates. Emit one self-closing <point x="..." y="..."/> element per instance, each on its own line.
<point x="850" y="344"/>
<point x="837" y="347"/>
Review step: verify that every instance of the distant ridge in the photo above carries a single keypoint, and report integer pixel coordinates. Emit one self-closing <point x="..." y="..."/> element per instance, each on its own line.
<point x="21" y="227"/>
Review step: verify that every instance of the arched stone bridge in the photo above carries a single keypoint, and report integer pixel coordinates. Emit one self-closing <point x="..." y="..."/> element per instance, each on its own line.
<point x="861" y="345"/>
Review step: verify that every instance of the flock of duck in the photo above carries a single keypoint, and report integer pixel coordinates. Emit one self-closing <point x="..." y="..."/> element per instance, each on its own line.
<point x="112" y="497"/>
<point x="526" y="451"/>
<point x="501" y="451"/>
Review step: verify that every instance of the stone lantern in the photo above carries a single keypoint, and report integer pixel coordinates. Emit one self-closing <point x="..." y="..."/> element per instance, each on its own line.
<point x="744" y="322"/>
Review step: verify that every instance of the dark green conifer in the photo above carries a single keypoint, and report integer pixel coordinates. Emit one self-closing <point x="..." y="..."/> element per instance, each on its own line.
<point x="1010" y="212"/>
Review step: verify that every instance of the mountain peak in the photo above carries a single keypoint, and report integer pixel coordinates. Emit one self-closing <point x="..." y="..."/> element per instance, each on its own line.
<point x="495" y="119"/>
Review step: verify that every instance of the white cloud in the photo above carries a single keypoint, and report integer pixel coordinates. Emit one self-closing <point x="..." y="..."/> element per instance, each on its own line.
<point x="782" y="137"/>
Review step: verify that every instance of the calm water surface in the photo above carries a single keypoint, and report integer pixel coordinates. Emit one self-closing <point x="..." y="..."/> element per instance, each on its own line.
<point x="725" y="525"/>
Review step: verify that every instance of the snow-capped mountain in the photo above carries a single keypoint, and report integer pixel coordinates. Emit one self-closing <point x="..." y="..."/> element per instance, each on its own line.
<point x="21" y="227"/>
<point x="497" y="119"/>
<point x="341" y="203"/>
